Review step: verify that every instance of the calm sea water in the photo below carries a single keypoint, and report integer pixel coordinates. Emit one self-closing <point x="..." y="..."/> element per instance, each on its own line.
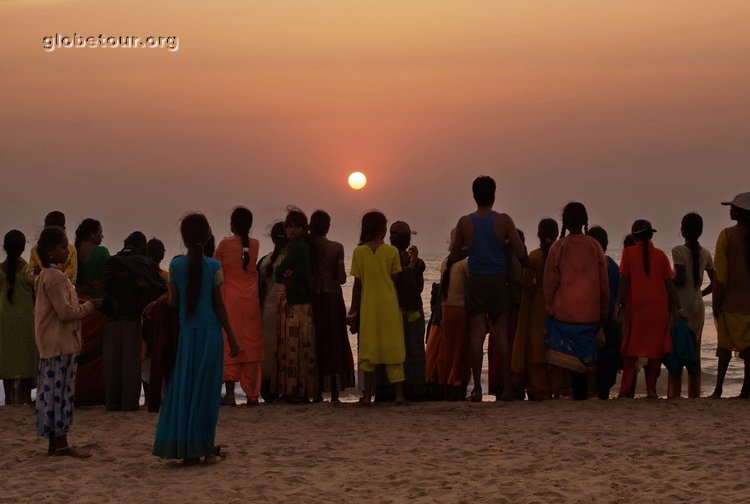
<point x="709" y="361"/>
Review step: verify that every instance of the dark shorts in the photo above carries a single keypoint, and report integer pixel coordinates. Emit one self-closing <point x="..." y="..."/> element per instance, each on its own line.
<point x="488" y="294"/>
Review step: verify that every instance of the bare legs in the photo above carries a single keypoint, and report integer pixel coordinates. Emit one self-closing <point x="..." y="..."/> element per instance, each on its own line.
<point x="477" y="333"/>
<point x="228" y="399"/>
<point x="370" y="379"/>
<point x="10" y="391"/>
<point x="720" y="375"/>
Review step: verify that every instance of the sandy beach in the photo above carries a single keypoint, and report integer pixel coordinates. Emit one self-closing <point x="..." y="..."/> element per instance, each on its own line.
<point x="559" y="451"/>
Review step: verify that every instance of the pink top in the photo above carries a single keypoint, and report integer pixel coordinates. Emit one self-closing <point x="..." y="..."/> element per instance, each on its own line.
<point x="576" y="285"/>
<point x="240" y="294"/>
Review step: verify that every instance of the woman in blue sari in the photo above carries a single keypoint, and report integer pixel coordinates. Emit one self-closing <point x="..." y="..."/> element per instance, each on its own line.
<point x="187" y="423"/>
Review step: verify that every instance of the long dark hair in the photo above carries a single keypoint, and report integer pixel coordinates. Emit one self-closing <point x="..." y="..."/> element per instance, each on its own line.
<point x="195" y="233"/>
<point x="645" y="237"/>
<point x="14" y="243"/>
<point x="574" y="215"/>
<point x="547" y="232"/>
<point x="49" y="237"/>
<point x="692" y="229"/>
<point x="85" y="229"/>
<point x="373" y="225"/>
<point x="242" y="221"/>
<point x="280" y="241"/>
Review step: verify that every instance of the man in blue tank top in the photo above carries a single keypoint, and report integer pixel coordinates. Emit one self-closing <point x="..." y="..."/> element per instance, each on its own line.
<point x="489" y="236"/>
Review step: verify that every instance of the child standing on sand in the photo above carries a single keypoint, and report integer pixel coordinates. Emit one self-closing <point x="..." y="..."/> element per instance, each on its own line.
<point x="57" y="326"/>
<point x="375" y="305"/>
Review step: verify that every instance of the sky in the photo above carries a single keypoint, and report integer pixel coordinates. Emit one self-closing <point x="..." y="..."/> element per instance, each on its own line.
<point x="638" y="109"/>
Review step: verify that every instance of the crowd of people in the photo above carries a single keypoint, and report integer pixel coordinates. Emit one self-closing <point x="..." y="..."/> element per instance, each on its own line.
<point x="82" y="326"/>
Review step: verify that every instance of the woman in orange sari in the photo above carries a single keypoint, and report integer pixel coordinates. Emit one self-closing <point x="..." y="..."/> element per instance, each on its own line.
<point x="238" y="254"/>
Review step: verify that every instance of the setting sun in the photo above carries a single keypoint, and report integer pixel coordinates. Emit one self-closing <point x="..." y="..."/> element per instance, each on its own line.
<point x="357" y="180"/>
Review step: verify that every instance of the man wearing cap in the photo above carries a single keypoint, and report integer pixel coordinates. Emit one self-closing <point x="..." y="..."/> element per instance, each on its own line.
<point x="485" y="233"/>
<point x="645" y="294"/>
<point x="731" y="292"/>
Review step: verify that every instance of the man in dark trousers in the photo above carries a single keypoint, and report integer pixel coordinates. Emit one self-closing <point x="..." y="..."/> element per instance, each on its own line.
<point x="131" y="282"/>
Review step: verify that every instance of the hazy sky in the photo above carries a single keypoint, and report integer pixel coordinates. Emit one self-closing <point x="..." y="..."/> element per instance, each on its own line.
<point x="639" y="109"/>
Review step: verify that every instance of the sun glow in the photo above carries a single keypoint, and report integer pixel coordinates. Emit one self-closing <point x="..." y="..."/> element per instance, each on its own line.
<point x="357" y="180"/>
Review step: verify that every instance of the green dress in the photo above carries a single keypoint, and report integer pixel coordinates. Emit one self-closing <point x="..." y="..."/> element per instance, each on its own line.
<point x="89" y="273"/>
<point x="17" y="345"/>
<point x="381" y="326"/>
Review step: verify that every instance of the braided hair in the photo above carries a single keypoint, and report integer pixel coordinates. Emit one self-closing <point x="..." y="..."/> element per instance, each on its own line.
<point x="242" y="221"/>
<point x="574" y="215"/>
<point x="692" y="228"/>
<point x="195" y="232"/>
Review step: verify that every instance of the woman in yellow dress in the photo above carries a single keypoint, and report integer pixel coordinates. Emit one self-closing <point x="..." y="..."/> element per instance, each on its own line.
<point x="375" y="305"/>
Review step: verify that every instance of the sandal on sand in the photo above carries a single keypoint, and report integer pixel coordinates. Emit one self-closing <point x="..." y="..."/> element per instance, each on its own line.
<point x="71" y="452"/>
